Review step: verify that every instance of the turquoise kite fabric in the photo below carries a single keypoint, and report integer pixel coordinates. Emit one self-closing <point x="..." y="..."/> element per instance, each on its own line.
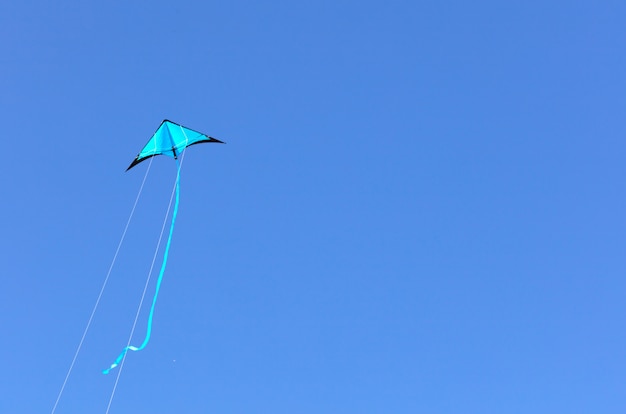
<point x="169" y="139"/>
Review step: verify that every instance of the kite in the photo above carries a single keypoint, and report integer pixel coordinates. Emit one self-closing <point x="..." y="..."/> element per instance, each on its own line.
<point x="170" y="139"/>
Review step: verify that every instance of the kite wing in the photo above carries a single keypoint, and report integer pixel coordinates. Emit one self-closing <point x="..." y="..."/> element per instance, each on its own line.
<point x="171" y="139"/>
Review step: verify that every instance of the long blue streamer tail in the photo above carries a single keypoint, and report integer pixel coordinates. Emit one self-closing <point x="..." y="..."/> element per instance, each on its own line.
<point x="158" y="283"/>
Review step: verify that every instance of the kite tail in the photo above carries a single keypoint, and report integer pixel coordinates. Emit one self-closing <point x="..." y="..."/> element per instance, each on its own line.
<point x="122" y="355"/>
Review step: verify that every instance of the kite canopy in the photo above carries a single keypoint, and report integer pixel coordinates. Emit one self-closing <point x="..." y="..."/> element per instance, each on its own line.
<point x="171" y="139"/>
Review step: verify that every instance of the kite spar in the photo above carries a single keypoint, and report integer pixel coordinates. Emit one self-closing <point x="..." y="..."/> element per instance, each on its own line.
<point x="170" y="139"/>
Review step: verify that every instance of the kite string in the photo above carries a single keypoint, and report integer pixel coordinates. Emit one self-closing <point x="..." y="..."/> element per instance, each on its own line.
<point x="106" y="279"/>
<point x="122" y="357"/>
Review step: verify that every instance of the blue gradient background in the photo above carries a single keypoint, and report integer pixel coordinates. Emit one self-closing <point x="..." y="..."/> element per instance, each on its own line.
<point x="420" y="207"/>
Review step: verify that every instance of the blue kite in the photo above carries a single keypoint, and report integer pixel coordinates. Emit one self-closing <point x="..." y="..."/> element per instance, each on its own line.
<point x="170" y="139"/>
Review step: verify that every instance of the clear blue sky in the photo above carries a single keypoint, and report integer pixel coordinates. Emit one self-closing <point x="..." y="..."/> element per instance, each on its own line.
<point x="420" y="207"/>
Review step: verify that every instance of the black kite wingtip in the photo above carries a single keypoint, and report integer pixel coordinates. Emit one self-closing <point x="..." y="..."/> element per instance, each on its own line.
<point x="132" y="164"/>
